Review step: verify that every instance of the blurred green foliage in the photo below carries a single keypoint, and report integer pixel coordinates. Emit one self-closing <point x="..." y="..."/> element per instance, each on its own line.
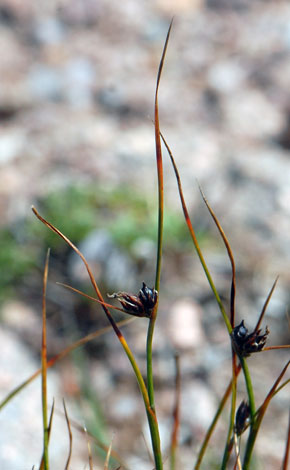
<point x="15" y="260"/>
<point x="77" y="210"/>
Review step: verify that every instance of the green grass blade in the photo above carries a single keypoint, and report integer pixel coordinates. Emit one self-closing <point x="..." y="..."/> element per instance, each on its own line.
<point x="257" y="422"/>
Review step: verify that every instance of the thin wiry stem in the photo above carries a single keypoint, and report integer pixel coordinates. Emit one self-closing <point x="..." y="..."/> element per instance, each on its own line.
<point x="281" y="386"/>
<point x="263" y="311"/>
<point x="159" y="164"/>
<point x="106" y="465"/>
<point x="214" y="422"/>
<point x="194" y="239"/>
<point x="227" y="451"/>
<point x="60" y="356"/>
<point x="258" y="420"/>
<point x="176" y="416"/>
<point x="108" y="314"/>
<point x="281" y="346"/>
<point x="90" y="457"/>
<point x="151" y="326"/>
<point x="44" y="368"/>
<point x="92" y="298"/>
<point x="151" y="416"/>
<point x="230" y="254"/>
<point x="69" y="435"/>
<point x="96" y="440"/>
<point x="249" y="387"/>
<point x="41" y="467"/>
<point x="232" y="311"/>
<point x="287" y="448"/>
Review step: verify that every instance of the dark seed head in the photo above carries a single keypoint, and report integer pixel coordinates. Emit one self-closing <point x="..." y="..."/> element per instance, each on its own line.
<point x="245" y="344"/>
<point x="148" y="296"/>
<point x="242" y="418"/>
<point x="140" y="305"/>
<point x="241" y="331"/>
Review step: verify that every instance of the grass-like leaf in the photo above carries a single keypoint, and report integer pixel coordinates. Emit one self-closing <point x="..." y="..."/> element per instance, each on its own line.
<point x="232" y="320"/>
<point x="61" y="355"/>
<point x="107" y="312"/>
<point x="41" y="467"/>
<point x="230" y="254"/>
<point x="176" y="416"/>
<point x="44" y="368"/>
<point x="150" y="411"/>
<point x="150" y="384"/>
<point x="69" y="435"/>
<point x="106" y="465"/>
<point x="85" y="432"/>
<point x="90" y="457"/>
<point x="255" y="426"/>
<point x="194" y="239"/>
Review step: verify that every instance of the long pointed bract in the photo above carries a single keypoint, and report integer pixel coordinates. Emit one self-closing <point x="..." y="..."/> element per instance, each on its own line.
<point x="194" y="239"/>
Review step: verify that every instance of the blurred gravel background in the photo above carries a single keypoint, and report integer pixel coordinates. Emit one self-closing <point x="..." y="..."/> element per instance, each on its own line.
<point x="77" y="85"/>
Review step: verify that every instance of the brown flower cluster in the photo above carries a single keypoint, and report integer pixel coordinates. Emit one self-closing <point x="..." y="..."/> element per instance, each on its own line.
<point x="246" y="343"/>
<point x="140" y="305"/>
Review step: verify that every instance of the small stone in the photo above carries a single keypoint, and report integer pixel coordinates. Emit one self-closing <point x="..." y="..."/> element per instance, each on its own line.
<point x="185" y="329"/>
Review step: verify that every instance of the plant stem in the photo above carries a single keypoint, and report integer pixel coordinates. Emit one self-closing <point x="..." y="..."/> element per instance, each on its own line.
<point x="227" y="450"/>
<point x="249" y="447"/>
<point x="249" y="386"/>
<point x="256" y="422"/>
<point x="253" y="427"/>
<point x="150" y="384"/>
<point x="155" y="439"/>
<point x="195" y="241"/>
<point x="151" y="416"/>
<point x="44" y="369"/>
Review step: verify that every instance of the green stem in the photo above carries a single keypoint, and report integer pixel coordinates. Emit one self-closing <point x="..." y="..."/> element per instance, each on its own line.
<point x="214" y="422"/>
<point x="227" y="450"/>
<point x="256" y="423"/>
<point x="253" y="426"/>
<point x="150" y="383"/>
<point x="151" y="413"/>
<point x="159" y="164"/>
<point x="173" y="459"/>
<point x="249" y="447"/>
<point x="211" y="429"/>
<point x="250" y="390"/>
<point x="155" y="439"/>
<point x="151" y="416"/>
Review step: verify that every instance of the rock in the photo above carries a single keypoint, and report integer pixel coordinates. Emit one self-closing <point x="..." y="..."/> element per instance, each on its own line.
<point x="11" y="145"/>
<point x="21" y="443"/>
<point x="184" y="325"/>
<point x="110" y="264"/>
<point x="46" y="83"/>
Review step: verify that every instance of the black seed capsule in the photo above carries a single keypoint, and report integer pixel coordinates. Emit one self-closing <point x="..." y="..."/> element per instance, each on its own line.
<point x="245" y="344"/>
<point x="140" y="305"/>
<point x="242" y="418"/>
